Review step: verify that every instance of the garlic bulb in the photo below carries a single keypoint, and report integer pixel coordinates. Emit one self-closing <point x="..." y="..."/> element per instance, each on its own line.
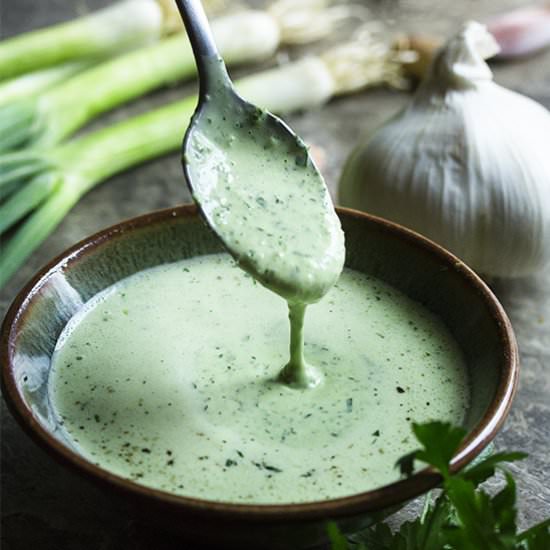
<point x="466" y="163"/>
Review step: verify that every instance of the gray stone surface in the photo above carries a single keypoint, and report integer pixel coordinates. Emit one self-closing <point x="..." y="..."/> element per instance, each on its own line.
<point x="46" y="507"/>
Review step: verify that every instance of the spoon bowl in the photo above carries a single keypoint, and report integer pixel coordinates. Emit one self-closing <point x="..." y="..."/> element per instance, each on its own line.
<point x="259" y="190"/>
<point x="256" y="184"/>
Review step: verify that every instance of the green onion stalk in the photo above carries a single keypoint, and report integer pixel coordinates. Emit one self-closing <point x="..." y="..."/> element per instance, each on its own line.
<point x="31" y="84"/>
<point x="50" y="181"/>
<point x="51" y="56"/>
<point x="243" y="37"/>
<point x="123" y="25"/>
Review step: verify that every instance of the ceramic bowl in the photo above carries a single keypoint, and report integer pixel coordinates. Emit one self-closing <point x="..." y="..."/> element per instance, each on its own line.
<point x="416" y="266"/>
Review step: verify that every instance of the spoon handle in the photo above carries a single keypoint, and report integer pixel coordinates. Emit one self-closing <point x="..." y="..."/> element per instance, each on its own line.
<point x="209" y="63"/>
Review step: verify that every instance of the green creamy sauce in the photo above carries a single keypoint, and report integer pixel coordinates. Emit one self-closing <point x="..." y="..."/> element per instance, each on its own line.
<point x="267" y="202"/>
<point x="262" y="195"/>
<point x="169" y="378"/>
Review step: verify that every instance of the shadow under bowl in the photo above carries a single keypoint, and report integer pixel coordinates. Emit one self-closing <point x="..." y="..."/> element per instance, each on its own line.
<point x="416" y="266"/>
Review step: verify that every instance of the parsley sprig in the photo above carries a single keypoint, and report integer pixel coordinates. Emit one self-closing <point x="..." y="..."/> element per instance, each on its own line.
<point x="463" y="516"/>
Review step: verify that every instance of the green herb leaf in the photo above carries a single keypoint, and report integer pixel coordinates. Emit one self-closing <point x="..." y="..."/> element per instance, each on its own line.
<point x="476" y="519"/>
<point x="440" y="440"/>
<point x="536" y="538"/>
<point x="484" y="469"/>
<point x="504" y="508"/>
<point x="406" y="464"/>
<point x="337" y="540"/>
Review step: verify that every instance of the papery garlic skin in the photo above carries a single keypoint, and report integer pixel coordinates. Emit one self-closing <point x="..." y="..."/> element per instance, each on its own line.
<point x="467" y="164"/>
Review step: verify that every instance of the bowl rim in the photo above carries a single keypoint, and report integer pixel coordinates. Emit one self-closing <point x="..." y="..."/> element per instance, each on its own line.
<point x="374" y="500"/>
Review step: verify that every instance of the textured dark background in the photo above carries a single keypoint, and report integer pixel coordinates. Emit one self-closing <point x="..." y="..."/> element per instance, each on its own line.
<point x="45" y="507"/>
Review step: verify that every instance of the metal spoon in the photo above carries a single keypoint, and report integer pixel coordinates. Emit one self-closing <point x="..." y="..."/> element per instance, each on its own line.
<point x="255" y="183"/>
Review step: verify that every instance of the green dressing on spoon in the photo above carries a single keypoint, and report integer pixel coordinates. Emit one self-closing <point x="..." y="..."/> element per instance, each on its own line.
<point x="260" y="192"/>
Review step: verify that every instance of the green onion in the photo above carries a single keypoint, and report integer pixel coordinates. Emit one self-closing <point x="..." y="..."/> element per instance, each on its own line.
<point x="48" y="118"/>
<point x="59" y="176"/>
<point x="124" y="25"/>
<point x="29" y="197"/>
<point x="30" y="84"/>
<point x="243" y="37"/>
